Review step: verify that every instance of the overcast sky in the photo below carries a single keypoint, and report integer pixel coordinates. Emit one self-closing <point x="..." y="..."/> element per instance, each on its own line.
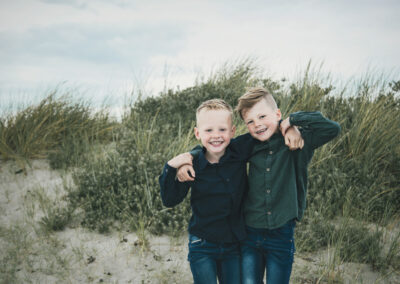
<point x="111" y="45"/>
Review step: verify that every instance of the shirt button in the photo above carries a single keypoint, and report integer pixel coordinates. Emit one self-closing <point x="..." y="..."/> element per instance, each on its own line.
<point x="271" y="152"/>
<point x="269" y="212"/>
<point x="268" y="169"/>
<point x="268" y="191"/>
<point x="227" y="179"/>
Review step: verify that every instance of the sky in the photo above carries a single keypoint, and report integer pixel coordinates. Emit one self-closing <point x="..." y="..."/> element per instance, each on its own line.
<point x="110" y="47"/>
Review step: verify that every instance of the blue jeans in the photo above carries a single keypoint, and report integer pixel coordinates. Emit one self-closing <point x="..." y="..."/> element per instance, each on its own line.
<point x="209" y="261"/>
<point x="270" y="250"/>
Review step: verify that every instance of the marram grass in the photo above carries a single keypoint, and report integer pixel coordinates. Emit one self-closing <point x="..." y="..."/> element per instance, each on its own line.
<point x="57" y="129"/>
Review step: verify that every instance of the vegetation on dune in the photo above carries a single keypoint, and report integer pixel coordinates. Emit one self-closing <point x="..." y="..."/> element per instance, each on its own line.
<point x="353" y="180"/>
<point x="57" y="128"/>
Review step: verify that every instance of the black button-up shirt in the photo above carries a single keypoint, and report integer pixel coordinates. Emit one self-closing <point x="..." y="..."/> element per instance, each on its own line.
<point x="217" y="192"/>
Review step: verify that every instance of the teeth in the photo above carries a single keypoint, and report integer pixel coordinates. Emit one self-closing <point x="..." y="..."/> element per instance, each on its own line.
<point x="261" y="131"/>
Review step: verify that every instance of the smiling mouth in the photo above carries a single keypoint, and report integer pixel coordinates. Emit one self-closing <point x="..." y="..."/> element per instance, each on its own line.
<point x="261" y="131"/>
<point x="216" y="143"/>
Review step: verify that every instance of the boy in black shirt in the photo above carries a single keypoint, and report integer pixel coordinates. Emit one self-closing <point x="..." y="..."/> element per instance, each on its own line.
<point x="217" y="225"/>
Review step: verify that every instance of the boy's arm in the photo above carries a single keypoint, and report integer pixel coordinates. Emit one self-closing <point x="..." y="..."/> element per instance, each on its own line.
<point x="293" y="138"/>
<point x="180" y="160"/>
<point x="243" y="145"/>
<point x="172" y="191"/>
<point x="317" y="129"/>
<point x="186" y="172"/>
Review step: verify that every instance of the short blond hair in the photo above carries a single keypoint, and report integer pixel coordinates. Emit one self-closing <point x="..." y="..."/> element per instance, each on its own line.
<point x="253" y="96"/>
<point x="215" y="104"/>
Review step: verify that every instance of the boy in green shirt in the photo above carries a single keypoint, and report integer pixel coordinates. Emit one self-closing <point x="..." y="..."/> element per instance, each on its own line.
<point x="277" y="184"/>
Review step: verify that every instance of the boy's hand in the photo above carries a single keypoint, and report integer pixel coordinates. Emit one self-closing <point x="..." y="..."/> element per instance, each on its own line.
<point x="284" y="126"/>
<point x="293" y="138"/>
<point x="185" y="173"/>
<point x="180" y="160"/>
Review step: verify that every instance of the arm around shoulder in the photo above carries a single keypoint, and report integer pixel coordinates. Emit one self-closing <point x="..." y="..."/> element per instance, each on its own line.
<point x="243" y="145"/>
<point x="319" y="129"/>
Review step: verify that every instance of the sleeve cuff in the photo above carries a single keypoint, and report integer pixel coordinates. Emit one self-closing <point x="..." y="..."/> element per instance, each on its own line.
<point x="169" y="170"/>
<point x="292" y="119"/>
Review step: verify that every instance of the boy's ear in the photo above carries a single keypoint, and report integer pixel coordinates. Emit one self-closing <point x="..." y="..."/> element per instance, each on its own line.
<point x="196" y="133"/>
<point x="278" y="114"/>
<point x="233" y="130"/>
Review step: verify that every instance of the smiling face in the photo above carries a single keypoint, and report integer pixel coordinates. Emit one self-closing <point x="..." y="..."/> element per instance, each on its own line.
<point x="214" y="130"/>
<point x="262" y="120"/>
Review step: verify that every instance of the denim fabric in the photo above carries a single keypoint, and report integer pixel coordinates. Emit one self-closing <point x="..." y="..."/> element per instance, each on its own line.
<point x="209" y="261"/>
<point x="270" y="250"/>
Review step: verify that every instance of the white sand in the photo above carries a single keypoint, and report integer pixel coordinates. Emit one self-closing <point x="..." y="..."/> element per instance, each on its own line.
<point x="76" y="255"/>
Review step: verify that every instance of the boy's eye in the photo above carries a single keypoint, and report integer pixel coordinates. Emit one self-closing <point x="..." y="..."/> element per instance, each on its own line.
<point x="262" y="116"/>
<point x="208" y="130"/>
<point x="222" y="129"/>
<point x="250" y="121"/>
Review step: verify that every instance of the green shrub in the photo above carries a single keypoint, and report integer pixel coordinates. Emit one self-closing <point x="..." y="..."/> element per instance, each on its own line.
<point x="121" y="184"/>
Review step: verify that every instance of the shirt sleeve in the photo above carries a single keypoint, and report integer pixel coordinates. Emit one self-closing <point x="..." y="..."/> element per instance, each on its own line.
<point x="172" y="191"/>
<point x="243" y="145"/>
<point x="317" y="130"/>
<point x="195" y="152"/>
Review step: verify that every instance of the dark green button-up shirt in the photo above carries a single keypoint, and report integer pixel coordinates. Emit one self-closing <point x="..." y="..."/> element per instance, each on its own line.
<point x="278" y="176"/>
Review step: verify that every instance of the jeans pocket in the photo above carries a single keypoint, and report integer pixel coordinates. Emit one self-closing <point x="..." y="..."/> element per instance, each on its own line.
<point x="195" y="241"/>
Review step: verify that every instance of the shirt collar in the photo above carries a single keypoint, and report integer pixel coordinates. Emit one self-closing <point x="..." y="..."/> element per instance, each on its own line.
<point x="203" y="162"/>
<point x="272" y="143"/>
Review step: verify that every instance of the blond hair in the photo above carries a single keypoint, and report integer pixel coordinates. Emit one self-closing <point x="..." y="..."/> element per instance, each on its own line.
<point x="214" y="104"/>
<point x="253" y="96"/>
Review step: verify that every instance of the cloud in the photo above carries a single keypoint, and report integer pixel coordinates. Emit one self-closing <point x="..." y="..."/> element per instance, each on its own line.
<point x="113" y="40"/>
<point x="79" y="4"/>
<point x="98" y="44"/>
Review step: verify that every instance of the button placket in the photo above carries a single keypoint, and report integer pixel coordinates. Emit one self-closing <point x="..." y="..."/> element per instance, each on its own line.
<point x="268" y="183"/>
